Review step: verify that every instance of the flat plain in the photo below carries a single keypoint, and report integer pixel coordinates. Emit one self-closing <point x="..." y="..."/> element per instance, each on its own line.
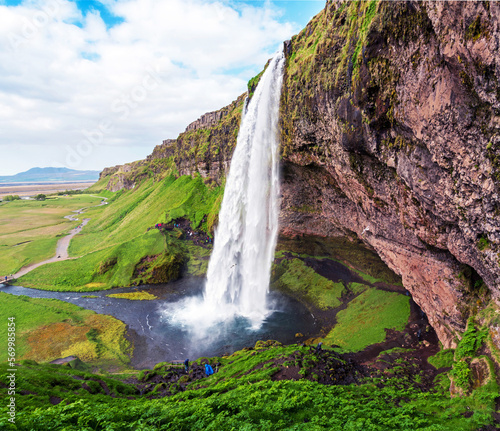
<point x="35" y="189"/>
<point x="29" y="230"/>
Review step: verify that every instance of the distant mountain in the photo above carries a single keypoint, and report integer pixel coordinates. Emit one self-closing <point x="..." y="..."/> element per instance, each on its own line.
<point x="51" y="175"/>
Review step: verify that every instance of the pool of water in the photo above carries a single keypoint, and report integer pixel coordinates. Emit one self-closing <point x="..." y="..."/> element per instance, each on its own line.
<point x="158" y="336"/>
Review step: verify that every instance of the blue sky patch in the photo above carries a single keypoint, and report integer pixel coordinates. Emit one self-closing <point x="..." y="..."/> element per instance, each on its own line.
<point x="297" y="11"/>
<point x="92" y="5"/>
<point x="92" y="56"/>
<point x="85" y="6"/>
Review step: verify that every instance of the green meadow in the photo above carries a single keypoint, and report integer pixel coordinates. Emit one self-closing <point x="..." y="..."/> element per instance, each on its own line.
<point x="366" y="317"/>
<point x="29" y="230"/>
<point x="120" y="247"/>
<point x="48" y="329"/>
<point x="296" y="278"/>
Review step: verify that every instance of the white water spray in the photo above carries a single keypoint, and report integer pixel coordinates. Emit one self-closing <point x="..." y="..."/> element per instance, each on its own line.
<point x="245" y="240"/>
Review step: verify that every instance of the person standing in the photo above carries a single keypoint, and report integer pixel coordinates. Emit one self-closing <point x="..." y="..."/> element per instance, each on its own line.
<point x="208" y="370"/>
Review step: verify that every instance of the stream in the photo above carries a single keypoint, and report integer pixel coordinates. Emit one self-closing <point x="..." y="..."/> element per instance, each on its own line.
<point x="156" y="335"/>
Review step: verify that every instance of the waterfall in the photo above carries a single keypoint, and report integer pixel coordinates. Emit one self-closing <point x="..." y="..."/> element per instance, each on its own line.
<point x="239" y="268"/>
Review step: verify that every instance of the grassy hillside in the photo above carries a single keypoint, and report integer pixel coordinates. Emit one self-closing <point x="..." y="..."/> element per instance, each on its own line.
<point x="120" y="247"/>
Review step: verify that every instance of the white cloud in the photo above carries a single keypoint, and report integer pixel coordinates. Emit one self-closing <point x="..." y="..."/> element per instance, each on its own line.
<point x="65" y="76"/>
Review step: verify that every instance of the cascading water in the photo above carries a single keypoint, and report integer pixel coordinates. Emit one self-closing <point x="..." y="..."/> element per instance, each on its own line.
<point x="245" y="240"/>
<point x="236" y="309"/>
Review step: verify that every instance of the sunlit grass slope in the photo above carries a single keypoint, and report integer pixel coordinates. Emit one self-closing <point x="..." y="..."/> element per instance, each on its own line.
<point x="47" y="329"/>
<point x="116" y="241"/>
<point x="130" y="212"/>
<point x="296" y="278"/>
<point x="367" y="316"/>
<point x="29" y="230"/>
<point x="103" y="269"/>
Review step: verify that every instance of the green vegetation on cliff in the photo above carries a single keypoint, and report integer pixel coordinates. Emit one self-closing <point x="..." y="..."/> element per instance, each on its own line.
<point x="209" y="146"/>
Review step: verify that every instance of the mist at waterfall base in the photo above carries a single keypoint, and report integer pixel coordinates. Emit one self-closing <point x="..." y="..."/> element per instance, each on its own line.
<point x="235" y="300"/>
<point x="190" y="333"/>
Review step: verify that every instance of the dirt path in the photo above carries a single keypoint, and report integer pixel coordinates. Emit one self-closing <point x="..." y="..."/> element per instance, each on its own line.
<point x="61" y="251"/>
<point x="62" y="244"/>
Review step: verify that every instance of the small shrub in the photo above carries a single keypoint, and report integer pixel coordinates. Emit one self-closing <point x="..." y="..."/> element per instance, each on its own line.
<point x="483" y="243"/>
<point x="442" y="359"/>
<point x="461" y="374"/>
<point x="183" y="379"/>
<point x="470" y="342"/>
<point x="174" y="388"/>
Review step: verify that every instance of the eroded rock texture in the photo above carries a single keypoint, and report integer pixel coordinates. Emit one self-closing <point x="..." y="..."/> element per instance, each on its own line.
<point x="391" y="114"/>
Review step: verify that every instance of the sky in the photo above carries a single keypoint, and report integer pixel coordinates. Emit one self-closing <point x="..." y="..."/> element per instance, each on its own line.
<point x="87" y="84"/>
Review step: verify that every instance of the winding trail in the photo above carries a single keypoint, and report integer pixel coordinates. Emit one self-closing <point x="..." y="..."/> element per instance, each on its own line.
<point x="62" y="244"/>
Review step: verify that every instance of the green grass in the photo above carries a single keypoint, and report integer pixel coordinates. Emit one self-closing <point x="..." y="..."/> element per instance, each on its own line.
<point x="131" y="212"/>
<point x="357" y="287"/>
<point x="197" y="264"/>
<point x="351" y="254"/>
<point x="137" y="296"/>
<point x="90" y="273"/>
<point x="47" y="329"/>
<point x="62" y="381"/>
<point x="117" y="236"/>
<point x="241" y="396"/>
<point x="295" y="277"/>
<point x="29" y="230"/>
<point x="116" y="249"/>
<point x="368" y="277"/>
<point x="442" y="359"/>
<point x="366" y="317"/>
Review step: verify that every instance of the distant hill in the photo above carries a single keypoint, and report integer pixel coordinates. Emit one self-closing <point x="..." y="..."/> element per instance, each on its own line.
<point x="51" y="175"/>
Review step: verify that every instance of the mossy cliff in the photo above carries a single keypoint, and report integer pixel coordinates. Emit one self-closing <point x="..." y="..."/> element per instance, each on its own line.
<point x="390" y="114"/>
<point x="204" y="148"/>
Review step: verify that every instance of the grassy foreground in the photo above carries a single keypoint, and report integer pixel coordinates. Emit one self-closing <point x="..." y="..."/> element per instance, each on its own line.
<point x="245" y="394"/>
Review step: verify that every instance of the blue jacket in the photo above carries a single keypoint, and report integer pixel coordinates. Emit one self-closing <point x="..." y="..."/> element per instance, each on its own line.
<point x="208" y="370"/>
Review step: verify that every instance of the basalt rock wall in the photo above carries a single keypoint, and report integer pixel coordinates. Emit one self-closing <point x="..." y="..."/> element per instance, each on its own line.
<point x="390" y="130"/>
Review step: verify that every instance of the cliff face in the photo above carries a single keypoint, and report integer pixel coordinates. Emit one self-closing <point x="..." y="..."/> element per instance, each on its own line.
<point x="204" y="148"/>
<point x="207" y="144"/>
<point x="390" y="121"/>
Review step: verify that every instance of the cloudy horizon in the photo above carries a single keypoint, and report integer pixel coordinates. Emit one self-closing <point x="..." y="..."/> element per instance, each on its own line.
<point x="90" y="84"/>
